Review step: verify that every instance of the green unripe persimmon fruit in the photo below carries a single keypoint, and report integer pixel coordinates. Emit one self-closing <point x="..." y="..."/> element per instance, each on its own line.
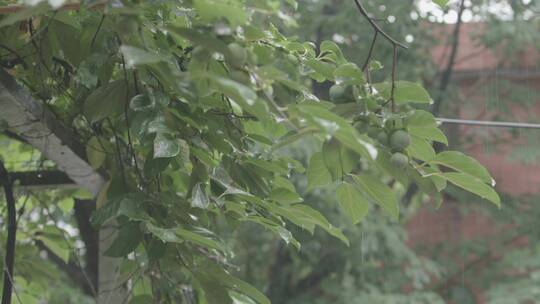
<point x="201" y="54"/>
<point x="240" y="76"/>
<point x="238" y="55"/>
<point x="292" y="58"/>
<point x="337" y="92"/>
<point x="382" y="137"/>
<point x="373" y="132"/>
<point x="340" y="93"/>
<point x="400" y="140"/>
<point x="372" y="105"/>
<point x="399" y="160"/>
<point x="252" y="58"/>
<point x="362" y="127"/>
<point x="394" y="124"/>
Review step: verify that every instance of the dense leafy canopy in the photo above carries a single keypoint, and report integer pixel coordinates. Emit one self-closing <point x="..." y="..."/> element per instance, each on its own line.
<point x="188" y="108"/>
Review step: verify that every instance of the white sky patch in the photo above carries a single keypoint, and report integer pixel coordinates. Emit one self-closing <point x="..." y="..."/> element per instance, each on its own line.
<point x="409" y="38"/>
<point x="339" y="39"/>
<point x="54" y="3"/>
<point x="427" y="8"/>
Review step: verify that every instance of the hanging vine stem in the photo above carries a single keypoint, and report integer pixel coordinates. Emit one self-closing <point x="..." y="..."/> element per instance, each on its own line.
<point x="395" y="45"/>
<point x="119" y="153"/>
<point x="11" y="234"/>
<point x="97" y="31"/>
<point x="131" y="150"/>
<point x="394" y="71"/>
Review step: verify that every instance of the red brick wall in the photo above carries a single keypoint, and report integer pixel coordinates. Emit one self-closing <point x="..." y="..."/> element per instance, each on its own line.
<point x="475" y="75"/>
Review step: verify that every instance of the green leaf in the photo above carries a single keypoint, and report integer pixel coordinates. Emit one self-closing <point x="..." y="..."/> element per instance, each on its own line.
<point x="95" y="152"/>
<point x="132" y="207"/>
<point x="353" y="203"/>
<point x="332" y="50"/>
<point x="405" y="92"/>
<point x="25" y="14"/>
<point x="235" y="284"/>
<point x="106" y="100"/>
<point x="349" y="74"/>
<point x="66" y="204"/>
<point x="322" y="68"/>
<point x="136" y="56"/>
<point x="426" y="185"/>
<point x="211" y="290"/>
<point x="199" y="197"/>
<point x="56" y="244"/>
<point x="338" y="127"/>
<point x="439" y="182"/>
<point x="165" y="146"/>
<point x="141" y="102"/>
<point x="199" y="239"/>
<point x="129" y="237"/>
<point x="307" y="218"/>
<point x="285" y="234"/>
<point x="203" y="39"/>
<point x="317" y="174"/>
<point x="473" y="185"/>
<point x="210" y="10"/>
<point x="141" y="299"/>
<point x="165" y="235"/>
<point x="311" y="215"/>
<point x="237" y="91"/>
<point x="285" y="196"/>
<point x="421" y="119"/>
<point x="441" y="3"/>
<point x="380" y="193"/>
<point x="270" y="166"/>
<point x="421" y="149"/>
<point x="464" y="164"/>
<point x="429" y="133"/>
<point x="338" y="159"/>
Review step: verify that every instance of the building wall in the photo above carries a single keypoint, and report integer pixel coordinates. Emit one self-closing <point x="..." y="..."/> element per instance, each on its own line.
<point x="479" y="75"/>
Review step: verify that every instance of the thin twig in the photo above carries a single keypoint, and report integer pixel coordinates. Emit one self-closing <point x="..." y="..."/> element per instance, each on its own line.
<point x="19" y="58"/>
<point x="126" y="117"/>
<point x="376" y="27"/>
<point x="395" y="44"/>
<point x="370" y="53"/>
<point x="394" y="72"/>
<point x="119" y="154"/>
<point x="97" y="31"/>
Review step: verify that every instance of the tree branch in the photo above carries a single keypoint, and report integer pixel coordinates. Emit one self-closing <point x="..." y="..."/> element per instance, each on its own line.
<point x="89" y="235"/>
<point x="73" y="271"/>
<point x="44" y="178"/>
<point x="447" y="75"/>
<point x="12" y="234"/>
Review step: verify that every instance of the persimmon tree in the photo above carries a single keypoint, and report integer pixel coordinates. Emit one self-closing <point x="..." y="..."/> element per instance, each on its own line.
<point x="186" y="107"/>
